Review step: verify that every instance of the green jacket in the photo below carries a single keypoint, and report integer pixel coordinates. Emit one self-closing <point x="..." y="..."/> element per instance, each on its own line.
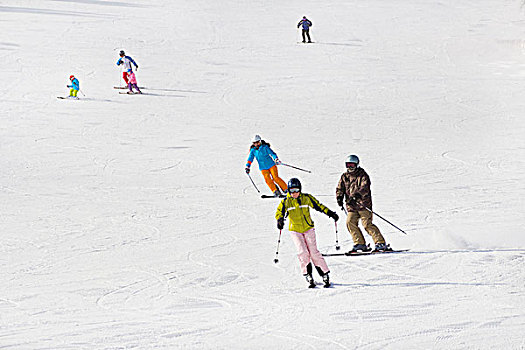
<point x="299" y="211"/>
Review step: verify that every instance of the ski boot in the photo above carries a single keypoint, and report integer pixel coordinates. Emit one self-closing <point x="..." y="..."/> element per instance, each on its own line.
<point x="310" y="280"/>
<point x="326" y="280"/>
<point x="278" y="193"/>
<point x="358" y="248"/>
<point x="382" y="247"/>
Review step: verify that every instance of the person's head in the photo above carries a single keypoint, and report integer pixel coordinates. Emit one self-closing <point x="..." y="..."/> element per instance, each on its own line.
<point x="257" y="141"/>
<point x="304" y="17"/>
<point x="294" y="187"/>
<point x="352" y="163"/>
<point x="122" y="53"/>
<point x="71" y="77"/>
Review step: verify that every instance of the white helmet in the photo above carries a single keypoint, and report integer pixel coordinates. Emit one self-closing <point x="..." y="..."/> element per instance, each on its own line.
<point x="257" y="138"/>
<point x="352" y="162"/>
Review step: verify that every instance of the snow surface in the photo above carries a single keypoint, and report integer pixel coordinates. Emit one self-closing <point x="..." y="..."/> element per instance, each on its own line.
<point x="128" y="221"/>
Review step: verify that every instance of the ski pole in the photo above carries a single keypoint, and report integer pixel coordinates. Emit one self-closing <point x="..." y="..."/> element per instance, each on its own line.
<point x="82" y="92"/>
<point x="370" y="210"/>
<point x="291" y="166"/>
<point x="276" y="260"/>
<point x="337" y="247"/>
<point x="253" y="183"/>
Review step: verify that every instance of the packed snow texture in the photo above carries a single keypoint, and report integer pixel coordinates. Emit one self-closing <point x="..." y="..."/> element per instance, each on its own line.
<point x="129" y="222"/>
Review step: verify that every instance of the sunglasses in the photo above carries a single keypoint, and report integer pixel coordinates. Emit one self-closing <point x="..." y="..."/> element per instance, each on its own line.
<point x="294" y="190"/>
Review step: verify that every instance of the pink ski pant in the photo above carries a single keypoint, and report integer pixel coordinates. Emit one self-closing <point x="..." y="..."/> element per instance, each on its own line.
<point x="307" y="250"/>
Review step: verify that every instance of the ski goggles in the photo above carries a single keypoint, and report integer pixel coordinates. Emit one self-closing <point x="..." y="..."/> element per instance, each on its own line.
<point x="294" y="190"/>
<point x="351" y="165"/>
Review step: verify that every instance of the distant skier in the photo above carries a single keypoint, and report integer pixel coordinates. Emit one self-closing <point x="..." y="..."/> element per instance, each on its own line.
<point x="132" y="82"/>
<point x="74" y="87"/>
<point x="354" y="185"/>
<point x="127" y="61"/>
<point x="297" y="206"/>
<point x="268" y="162"/>
<point x="306" y="23"/>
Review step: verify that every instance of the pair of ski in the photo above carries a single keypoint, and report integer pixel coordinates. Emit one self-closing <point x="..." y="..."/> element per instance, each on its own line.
<point x="272" y="196"/>
<point x="371" y="252"/>
<point x="128" y="93"/>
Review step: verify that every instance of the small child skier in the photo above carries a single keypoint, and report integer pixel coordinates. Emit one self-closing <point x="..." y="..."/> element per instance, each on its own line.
<point x="296" y="206"/>
<point x="132" y="82"/>
<point x="74" y="87"/>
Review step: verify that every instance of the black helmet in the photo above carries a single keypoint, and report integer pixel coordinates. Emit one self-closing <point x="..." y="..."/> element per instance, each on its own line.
<point x="122" y="53"/>
<point x="294" y="183"/>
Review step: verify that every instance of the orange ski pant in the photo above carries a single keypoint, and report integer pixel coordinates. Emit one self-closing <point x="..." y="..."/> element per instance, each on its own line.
<point x="271" y="176"/>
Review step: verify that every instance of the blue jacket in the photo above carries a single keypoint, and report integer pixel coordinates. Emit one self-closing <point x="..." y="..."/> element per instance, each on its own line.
<point x="127" y="61"/>
<point x="265" y="156"/>
<point x="74" y="84"/>
<point x="306" y="23"/>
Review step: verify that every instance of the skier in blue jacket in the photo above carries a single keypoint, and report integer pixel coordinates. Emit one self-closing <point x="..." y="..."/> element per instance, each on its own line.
<point x="306" y="23"/>
<point x="74" y="87"/>
<point x="127" y="61"/>
<point x="268" y="162"/>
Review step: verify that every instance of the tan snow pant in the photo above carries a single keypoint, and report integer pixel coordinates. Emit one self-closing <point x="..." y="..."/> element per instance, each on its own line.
<point x="352" y="221"/>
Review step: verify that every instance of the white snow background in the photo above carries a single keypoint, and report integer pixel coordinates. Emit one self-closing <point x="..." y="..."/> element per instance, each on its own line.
<point x="127" y="222"/>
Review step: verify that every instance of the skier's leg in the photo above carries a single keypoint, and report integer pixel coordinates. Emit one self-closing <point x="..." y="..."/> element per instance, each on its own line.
<point x="315" y="254"/>
<point x="71" y="92"/>
<point x="125" y="77"/>
<point x="352" y="221"/>
<point x="75" y="92"/>
<point x="277" y="179"/>
<point x="302" y="250"/>
<point x="268" y="179"/>
<point x="304" y="38"/>
<point x="373" y="230"/>
<point x="308" y="35"/>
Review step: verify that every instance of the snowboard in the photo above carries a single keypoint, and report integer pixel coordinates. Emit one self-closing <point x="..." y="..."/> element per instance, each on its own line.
<point x="372" y="252"/>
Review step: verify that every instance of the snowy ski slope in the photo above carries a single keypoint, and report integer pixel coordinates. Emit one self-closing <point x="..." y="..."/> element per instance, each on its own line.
<point x="128" y="221"/>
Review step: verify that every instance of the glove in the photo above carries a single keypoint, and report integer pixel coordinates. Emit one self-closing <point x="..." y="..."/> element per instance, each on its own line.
<point x="247" y="170"/>
<point x="280" y="223"/>
<point x="278" y="162"/>
<point x="333" y="215"/>
<point x="340" y="201"/>
<point x="352" y="201"/>
<point x="137" y="67"/>
<point x="357" y="196"/>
